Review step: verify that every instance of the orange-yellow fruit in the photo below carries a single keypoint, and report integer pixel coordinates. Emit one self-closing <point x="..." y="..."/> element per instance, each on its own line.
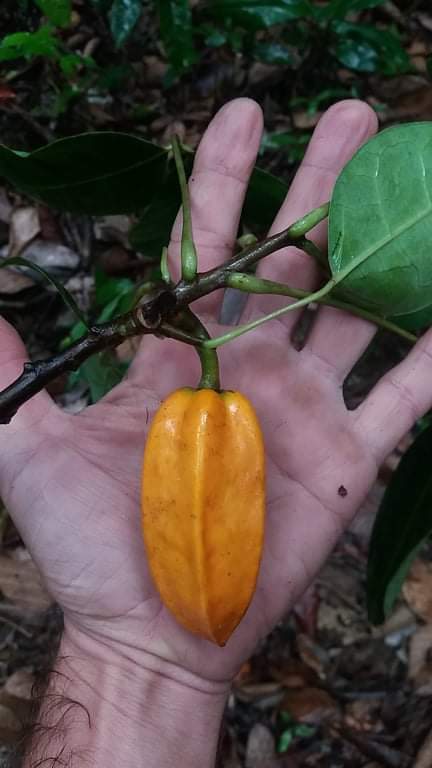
<point x="203" y="502"/>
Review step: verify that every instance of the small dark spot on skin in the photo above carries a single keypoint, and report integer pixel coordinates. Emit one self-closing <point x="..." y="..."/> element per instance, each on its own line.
<point x="342" y="491"/>
<point x="147" y="416"/>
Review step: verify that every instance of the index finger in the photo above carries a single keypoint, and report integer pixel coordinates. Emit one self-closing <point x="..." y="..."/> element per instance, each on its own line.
<point x="217" y="187"/>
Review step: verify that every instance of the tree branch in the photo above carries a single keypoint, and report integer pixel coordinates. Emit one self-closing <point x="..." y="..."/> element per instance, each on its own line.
<point x="158" y="312"/>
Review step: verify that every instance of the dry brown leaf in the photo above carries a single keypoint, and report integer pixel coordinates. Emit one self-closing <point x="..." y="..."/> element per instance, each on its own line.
<point x="8" y="720"/>
<point x="425" y="20"/>
<point x="270" y="693"/>
<point x="294" y="674"/>
<point x="420" y="661"/>
<point x="417" y="590"/>
<point x="304" y="121"/>
<point x="6" y="207"/>
<point x="14" y="282"/>
<point x="260" y="749"/>
<point x="20" y="684"/>
<point x="424" y="757"/>
<point x="312" y="654"/>
<point x="24" y="226"/>
<point x="310" y="705"/>
<point x="20" y="582"/>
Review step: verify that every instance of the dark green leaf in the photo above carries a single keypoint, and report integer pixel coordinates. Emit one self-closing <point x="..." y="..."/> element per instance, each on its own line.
<point x="273" y="53"/>
<point x="357" y="55"/>
<point x="102" y="5"/>
<point x="260" y="14"/>
<point x="295" y="144"/>
<point x="415" y="321"/>
<point x="108" y="289"/>
<point x="153" y="230"/>
<point x="29" y="44"/>
<point x="68" y="299"/>
<point x="264" y="197"/>
<point x="338" y="9"/>
<point x="358" y="41"/>
<point x="95" y="173"/>
<point x="380" y="224"/>
<point x="177" y="33"/>
<point x="403" y="523"/>
<point x="57" y="11"/>
<point x="214" y="38"/>
<point x="102" y="372"/>
<point x="123" y="15"/>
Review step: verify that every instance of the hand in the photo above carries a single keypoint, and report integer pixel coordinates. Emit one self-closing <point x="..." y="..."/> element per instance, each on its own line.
<point x="71" y="483"/>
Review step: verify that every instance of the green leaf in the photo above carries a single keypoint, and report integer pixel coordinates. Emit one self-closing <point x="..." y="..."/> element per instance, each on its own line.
<point x="123" y="16"/>
<point x="57" y="11"/>
<point x="94" y="173"/>
<point x="102" y="372"/>
<point x="177" y="33"/>
<point x="102" y="5"/>
<point x="111" y="289"/>
<point x="357" y="55"/>
<point x="338" y="9"/>
<point x="367" y="49"/>
<point x="403" y="523"/>
<point x="214" y="38"/>
<point x="380" y="224"/>
<point x="29" y="44"/>
<point x="260" y="14"/>
<point x="273" y="53"/>
<point x="264" y="197"/>
<point x="294" y="143"/>
<point x="153" y="230"/>
<point x="68" y="299"/>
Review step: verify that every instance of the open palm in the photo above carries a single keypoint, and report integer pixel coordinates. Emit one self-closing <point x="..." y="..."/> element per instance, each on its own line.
<point x="72" y="482"/>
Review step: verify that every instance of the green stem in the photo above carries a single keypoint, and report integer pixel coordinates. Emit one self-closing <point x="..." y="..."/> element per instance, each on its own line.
<point x="241" y="329"/>
<point x="252" y="284"/>
<point x="303" y="225"/>
<point x="189" y="322"/>
<point x="209" y="368"/>
<point x="312" y="250"/>
<point x="189" y="259"/>
<point x="164" y="268"/>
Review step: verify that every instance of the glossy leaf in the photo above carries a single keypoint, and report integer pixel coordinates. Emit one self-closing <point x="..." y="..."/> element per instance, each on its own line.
<point x="403" y="523"/>
<point x="29" y="44"/>
<point x="367" y="49"/>
<point x="260" y="14"/>
<point x="294" y="143"/>
<point x="338" y="9"/>
<point x="177" y="33"/>
<point x="273" y="53"/>
<point x="153" y="230"/>
<point x="57" y="11"/>
<point x="102" y="372"/>
<point x="123" y="17"/>
<point x="380" y="224"/>
<point x="94" y="173"/>
<point x="264" y="197"/>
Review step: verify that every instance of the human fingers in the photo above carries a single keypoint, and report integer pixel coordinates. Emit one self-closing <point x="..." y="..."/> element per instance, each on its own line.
<point x="401" y="397"/>
<point x="217" y="185"/>
<point x="17" y="436"/>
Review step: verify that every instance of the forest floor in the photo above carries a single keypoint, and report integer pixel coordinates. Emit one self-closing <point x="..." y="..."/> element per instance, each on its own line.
<point x="326" y="688"/>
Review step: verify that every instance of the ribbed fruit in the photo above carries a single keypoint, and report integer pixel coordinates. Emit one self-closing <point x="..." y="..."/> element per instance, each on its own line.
<point x="203" y="502"/>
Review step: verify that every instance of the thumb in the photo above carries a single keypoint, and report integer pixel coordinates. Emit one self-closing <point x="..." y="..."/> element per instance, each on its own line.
<point x="13" y="355"/>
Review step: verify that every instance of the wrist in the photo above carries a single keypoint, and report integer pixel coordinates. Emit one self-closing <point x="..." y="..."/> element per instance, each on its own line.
<point x="104" y="709"/>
